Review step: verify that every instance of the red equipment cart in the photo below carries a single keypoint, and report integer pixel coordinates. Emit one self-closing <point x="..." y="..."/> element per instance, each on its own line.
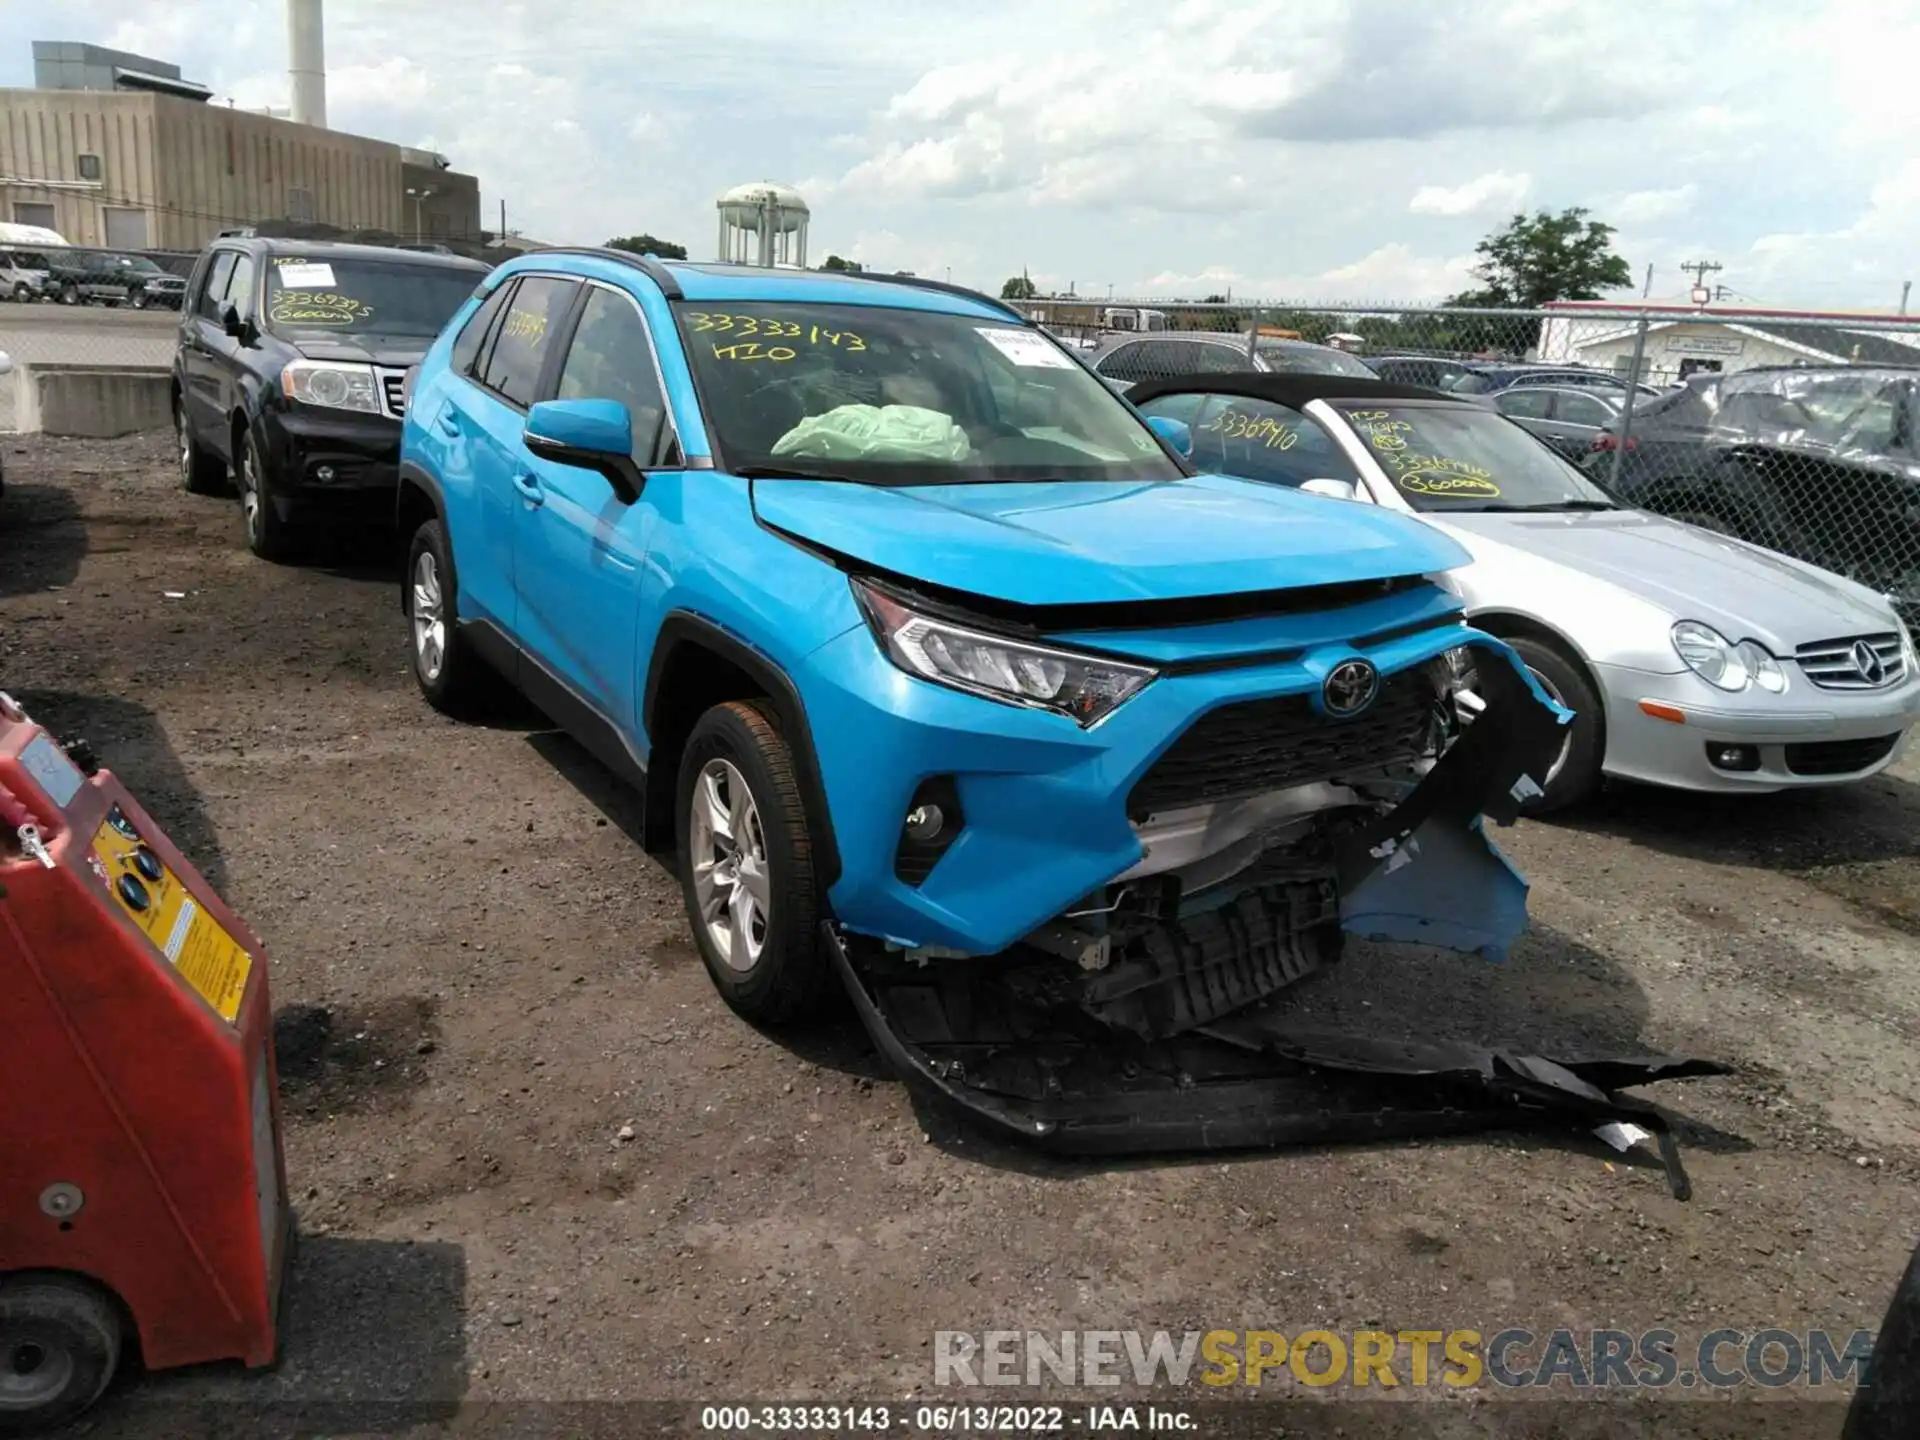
<point x="142" y="1188"/>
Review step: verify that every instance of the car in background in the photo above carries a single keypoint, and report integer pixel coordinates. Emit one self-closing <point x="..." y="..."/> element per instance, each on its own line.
<point x="1821" y="462"/>
<point x="1689" y="659"/>
<point x="290" y="375"/>
<point x="1570" y="418"/>
<point x="149" y="285"/>
<point x="1126" y="360"/>
<point x="25" y="275"/>
<point x="1485" y="377"/>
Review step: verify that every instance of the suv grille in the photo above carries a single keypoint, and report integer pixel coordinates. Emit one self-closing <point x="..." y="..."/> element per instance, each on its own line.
<point x="1262" y="745"/>
<point x="1837" y="664"/>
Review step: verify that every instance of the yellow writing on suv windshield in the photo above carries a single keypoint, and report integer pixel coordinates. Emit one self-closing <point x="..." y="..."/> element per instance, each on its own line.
<point x="315" y="307"/>
<point x="771" y="328"/>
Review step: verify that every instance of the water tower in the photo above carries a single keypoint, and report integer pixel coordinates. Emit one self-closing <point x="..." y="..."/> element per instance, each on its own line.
<point x="763" y="224"/>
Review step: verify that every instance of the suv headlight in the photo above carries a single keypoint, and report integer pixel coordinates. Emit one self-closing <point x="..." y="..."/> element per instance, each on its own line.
<point x="334" y="384"/>
<point x="1723" y="664"/>
<point x="1085" y="688"/>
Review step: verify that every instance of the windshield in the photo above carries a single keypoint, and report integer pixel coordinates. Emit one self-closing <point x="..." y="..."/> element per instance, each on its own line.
<point x="906" y="397"/>
<point x="1448" y="458"/>
<point x="363" y="296"/>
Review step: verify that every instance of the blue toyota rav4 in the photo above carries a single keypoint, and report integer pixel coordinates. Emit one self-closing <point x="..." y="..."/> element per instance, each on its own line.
<point x="944" y="675"/>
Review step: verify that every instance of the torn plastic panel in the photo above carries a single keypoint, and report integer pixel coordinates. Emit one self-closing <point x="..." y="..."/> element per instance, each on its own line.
<point x="1425" y="872"/>
<point x="1008" y="1042"/>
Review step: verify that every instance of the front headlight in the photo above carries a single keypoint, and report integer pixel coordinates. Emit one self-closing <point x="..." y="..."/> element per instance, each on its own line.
<point x="1723" y="664"/>
<point x="333" y="384"/>
<point x="1908" y="650"/>
<point x="1085" y="688"/>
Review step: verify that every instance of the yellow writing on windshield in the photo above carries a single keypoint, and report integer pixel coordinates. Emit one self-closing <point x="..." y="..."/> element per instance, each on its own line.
<point x="753" y="350"/>
<point x="1235" y="426"/>
<point x="315" y="307"/>
<point x="1442" y="475"/>
<point x="772" y="328"/>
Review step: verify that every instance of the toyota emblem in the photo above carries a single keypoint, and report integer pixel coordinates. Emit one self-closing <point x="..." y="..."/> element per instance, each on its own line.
<point x="1351" y="687"/>
<point x="1867" y="661"/>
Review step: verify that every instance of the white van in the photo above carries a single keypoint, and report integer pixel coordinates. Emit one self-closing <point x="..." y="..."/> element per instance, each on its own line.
<point x="24" y="274"/>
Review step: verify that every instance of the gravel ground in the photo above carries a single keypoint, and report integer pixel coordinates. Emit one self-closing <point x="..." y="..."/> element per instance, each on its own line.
<point x="536" y="1160"/>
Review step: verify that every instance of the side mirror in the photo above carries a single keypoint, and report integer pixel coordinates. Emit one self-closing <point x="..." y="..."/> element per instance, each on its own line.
<point x="590" y="434"/>
<point x="231" y="322"/>
<point x="1177" y="434"/>
<point x="1333" y="489"/>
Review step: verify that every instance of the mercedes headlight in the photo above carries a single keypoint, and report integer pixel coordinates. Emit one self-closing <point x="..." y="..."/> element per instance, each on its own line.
<point x="1908" y="650"/>
<point x="1085" y="688"/>
<point x="334" y="384"/>
<point x="1723" y="664"/>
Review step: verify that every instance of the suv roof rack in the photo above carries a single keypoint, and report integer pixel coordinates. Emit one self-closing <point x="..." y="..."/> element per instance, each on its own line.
<point x="945" y="288"/>
<point x="649" y="265"/>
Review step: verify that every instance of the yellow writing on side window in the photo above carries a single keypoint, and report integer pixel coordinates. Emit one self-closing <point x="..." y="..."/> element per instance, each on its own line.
<point x="741" y="327"/>
<point x="525" y="325"/>
<point x="1235" y="426"/>
<point x="315" y="307"/>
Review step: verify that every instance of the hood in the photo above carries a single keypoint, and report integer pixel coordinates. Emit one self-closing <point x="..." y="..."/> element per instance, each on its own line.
<point x="398" y="351"/>
<point x="1741" y="590"/>
<point x="1089" y="542"/>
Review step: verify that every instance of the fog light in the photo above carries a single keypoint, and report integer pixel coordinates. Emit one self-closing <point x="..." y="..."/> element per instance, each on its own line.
<point x="1733" y="757"/>
<point x="324" y="474"/>
<point x="924" y="823"/>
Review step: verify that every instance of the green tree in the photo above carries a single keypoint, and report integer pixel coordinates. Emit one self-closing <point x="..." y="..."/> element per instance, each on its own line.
<point x="1019" y="288"/>
<point x="1542" y="257"/>
<point x="845" y="267"/>
<point x="649" y="245"/>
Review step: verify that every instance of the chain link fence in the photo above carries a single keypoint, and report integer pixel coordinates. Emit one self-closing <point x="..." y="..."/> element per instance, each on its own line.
<point x="1799" y="433"/>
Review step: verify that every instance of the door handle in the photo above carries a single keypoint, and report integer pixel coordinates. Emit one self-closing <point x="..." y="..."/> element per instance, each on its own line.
<point x="447" y="422"/>
<point x="529" y="488"/>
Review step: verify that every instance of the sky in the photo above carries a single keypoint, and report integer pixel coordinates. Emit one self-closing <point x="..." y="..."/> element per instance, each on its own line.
<point x="1337" y="150"/>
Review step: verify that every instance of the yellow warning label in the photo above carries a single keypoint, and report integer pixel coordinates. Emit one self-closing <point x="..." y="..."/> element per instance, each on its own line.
<point x="153" y="897"/>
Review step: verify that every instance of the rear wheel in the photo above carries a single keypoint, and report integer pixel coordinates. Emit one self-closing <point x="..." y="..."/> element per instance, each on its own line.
<point x="746" y="864"/>
<point x="69" y="294"/>
<point x="1575" y="773"/>
<point x="200" y="473"/>
<point x="268" y="536"/>
<point x="59" y="1346"/>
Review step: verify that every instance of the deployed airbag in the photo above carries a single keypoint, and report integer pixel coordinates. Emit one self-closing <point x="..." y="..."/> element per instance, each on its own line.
<point x="877" y="432"/>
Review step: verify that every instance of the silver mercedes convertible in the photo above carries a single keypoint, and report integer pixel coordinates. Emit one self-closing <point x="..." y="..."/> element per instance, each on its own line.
<point x="1688" y="658"/>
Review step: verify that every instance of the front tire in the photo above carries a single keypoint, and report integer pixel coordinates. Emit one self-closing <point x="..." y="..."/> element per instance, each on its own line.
<point x="268" y="536"/>
<point x="138" y="299"/>
<point x="59" y="1346"/>
<point x="1577" y="773"/>
<point x="451" y="676"/>
<point x="746" y="865"/>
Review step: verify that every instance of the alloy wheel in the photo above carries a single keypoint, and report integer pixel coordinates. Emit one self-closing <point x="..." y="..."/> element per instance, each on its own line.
<point x="250" y="498"/>
<point x="429" y="617"/>
<point x="731" y="880"/>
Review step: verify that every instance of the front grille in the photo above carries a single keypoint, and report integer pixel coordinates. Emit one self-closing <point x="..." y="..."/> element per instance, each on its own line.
<point x="1839" y="757"/>
<point x="1260" y="745"/>
<point x="393" y="390"/>
<point x="1835" y="664"/>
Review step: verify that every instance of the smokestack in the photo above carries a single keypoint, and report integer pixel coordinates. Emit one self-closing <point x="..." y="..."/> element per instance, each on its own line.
<point x="307" y="62"/>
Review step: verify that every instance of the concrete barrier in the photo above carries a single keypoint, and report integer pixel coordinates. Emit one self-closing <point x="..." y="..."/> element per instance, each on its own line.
<point x="90" y="401"/>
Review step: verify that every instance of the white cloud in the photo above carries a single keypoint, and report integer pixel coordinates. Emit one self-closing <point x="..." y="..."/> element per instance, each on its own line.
<point x="1391" y="274"/>
<point x="1643" y="207"/>
<point x="1496" y="192"/>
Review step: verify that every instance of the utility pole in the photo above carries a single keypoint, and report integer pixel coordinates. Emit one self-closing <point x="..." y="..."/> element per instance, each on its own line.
<point x="1700" y="269"/>
<point x="1647" y="289"/>
<point x="1906" y="289"/>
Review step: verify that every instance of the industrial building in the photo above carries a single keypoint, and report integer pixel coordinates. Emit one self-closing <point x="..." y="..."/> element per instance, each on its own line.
<point x="121" y="151"/>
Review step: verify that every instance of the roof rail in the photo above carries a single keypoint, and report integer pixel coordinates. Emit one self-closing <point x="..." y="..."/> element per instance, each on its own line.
<point x="648" y="265"/>
<point x="945" y="288"/>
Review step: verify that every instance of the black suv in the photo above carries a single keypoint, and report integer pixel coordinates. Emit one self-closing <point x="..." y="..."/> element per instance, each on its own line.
<point x="291" y="373"/>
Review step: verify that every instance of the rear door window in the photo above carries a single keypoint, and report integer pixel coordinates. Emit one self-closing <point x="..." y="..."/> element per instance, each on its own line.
<point x="1525" y="404"/>
<point x="1578" y="409"/>
<point x="521" y="347"/>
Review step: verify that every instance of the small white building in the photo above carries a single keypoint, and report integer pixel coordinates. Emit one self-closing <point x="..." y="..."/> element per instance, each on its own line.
<point x="1685" y="339"/>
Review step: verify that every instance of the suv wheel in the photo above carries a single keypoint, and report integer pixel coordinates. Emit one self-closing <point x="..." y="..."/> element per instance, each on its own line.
<point x="22" y="293"/>
<point x="137" y="299"/>
<point x="268" y="536"/>
<point x="454" y="680"/>
<point x="746" y="864"/>
<point x="69" y="293"/>
<point x="200" y="473"/>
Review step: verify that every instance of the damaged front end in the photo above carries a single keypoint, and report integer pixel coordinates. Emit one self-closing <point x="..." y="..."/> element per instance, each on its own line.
<point x="1144" y="1017"/>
